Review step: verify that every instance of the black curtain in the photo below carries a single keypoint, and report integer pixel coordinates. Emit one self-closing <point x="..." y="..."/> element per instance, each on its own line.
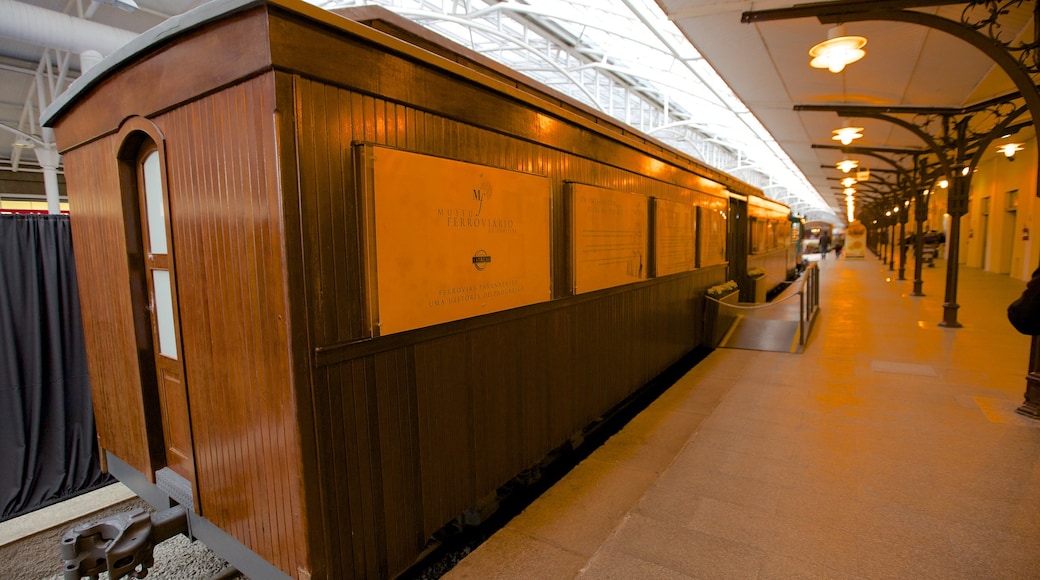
<point x="48" y="446"/>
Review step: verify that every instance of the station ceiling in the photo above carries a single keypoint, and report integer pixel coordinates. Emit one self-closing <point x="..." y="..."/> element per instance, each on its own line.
<point x="724" y="91"/>
<point x="907" y="65"/>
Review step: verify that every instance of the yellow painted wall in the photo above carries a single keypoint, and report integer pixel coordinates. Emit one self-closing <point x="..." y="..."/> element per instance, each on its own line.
<point x="1002" y="205"/>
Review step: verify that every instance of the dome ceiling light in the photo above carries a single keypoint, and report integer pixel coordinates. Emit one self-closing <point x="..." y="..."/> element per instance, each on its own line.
<point x="1009" y="149"/>
<point x="847" y="134"/>
<point x="847" y="165"/>
<point x="838" y="51"/>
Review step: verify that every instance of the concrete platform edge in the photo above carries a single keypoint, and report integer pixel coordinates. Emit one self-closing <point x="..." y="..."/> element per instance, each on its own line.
<point x="60" y="514"/>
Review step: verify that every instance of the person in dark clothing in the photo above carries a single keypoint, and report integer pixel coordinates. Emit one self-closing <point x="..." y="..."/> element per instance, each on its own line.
<point x="825" y="244"/>
<point x="1024" y="313"/>
<point x="839" y="243"/>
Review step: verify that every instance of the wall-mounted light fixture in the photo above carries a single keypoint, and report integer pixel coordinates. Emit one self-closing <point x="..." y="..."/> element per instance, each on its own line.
<point x="847" y="165"/>
<point x="1009" y="150"/>
<point x="943" y="183"/>
<point x="838" y="51"/>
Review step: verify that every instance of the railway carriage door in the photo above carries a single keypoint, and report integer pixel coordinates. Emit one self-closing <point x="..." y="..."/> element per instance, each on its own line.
<point x="163" y="312"/>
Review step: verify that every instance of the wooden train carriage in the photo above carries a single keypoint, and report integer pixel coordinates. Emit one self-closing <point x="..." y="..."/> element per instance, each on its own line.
<point x="773" y="245"/>
<point x="341" y="281"/>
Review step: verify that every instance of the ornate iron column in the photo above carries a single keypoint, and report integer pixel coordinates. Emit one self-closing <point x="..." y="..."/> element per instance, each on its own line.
<point x="892" y="241"/>
<point x="957" y="207"/>
<point x="880" y="246"/>
<point x="904" y="216"/>
<point x="1031" y="405"/>
<point x="892" y="220"/>
<point x="920" y="215"/>
<point x="872" y="234"/>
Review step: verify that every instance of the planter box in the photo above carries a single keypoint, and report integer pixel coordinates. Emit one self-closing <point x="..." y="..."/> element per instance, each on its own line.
<point x="759" y="289"/>
<point x="717" y="321"/>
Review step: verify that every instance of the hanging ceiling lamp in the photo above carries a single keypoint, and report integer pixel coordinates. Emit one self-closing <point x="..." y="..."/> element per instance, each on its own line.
<point x="1009" y="149"/>
<point x="838" y="51"/>
<point x="848" y="181"/>
<point x="847" y="134"/>
<point x="847" y="165"/>
<point x="850" y="191"/>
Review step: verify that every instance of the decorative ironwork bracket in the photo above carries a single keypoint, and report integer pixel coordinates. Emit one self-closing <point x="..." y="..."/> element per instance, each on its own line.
<point x="932" y="125"/>
<point x="979" y="26"/>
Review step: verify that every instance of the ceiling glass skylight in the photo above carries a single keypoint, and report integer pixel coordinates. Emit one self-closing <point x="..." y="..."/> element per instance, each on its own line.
<point x="627" y="60"/>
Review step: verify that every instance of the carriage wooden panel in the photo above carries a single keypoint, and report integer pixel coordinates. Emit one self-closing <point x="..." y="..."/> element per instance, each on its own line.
<point x="122" y="409"/>
<point x="226" y="212"/>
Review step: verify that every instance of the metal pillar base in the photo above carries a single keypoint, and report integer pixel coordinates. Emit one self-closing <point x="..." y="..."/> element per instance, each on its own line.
<point x="1031" y="406"/>
<point x="950" y="316"/>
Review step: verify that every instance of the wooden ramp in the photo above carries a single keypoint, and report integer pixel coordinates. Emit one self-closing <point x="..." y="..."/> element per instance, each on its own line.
<point x="763" y="334"/>
<point x="773" y="326"/>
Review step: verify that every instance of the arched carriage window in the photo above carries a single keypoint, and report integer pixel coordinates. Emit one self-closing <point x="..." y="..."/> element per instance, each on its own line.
<point x="150" y="176"/>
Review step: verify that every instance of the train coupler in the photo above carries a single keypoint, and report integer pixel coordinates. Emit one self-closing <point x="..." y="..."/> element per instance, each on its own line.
<point x="121" y="544"/>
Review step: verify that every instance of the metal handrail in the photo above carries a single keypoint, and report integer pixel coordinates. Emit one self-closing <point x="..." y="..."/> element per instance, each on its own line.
<point x="809" y="301"/>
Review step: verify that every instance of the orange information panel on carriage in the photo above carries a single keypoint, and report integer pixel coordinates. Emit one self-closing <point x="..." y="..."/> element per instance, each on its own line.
<point x="608" y="237"/>
<point x="452" y="239"/>
<point x="675" y="231"/>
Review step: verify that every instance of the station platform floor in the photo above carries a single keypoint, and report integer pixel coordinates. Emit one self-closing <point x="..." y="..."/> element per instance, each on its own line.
<point x="889" y="448"/>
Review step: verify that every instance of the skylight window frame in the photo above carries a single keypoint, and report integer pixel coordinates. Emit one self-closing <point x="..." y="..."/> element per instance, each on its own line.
<point x="602" y="36"/>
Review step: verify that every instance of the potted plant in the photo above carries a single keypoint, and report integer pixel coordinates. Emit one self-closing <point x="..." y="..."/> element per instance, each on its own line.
<point x="720" y="291"/>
